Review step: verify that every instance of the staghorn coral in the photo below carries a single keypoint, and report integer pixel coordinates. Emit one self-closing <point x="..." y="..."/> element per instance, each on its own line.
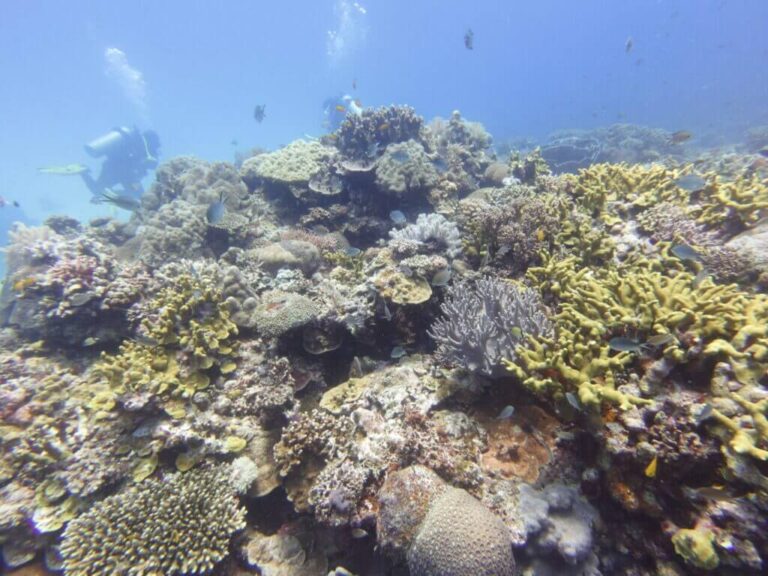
<point x="180" y="526"/>
<point x="486" y="322"/>
<point x="404" y="168"/>
<point x="734" y="204"/>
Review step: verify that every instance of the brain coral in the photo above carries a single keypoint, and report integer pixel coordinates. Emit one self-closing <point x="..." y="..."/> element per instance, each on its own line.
<point x="460" y="536"/>
<point x="179" y="526"/>
<point x="444" y="531"/>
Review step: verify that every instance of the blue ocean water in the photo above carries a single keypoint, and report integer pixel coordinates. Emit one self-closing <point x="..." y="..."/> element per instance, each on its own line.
<point x="194" y="73"/>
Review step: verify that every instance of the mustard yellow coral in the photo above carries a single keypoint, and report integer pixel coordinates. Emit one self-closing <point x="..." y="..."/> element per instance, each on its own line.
<point x="742" y="200"/>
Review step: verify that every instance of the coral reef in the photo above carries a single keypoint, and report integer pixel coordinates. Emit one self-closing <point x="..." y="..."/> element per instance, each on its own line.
<point x="404" y="168"/>
<point x="361" y="134"/>
<point x="179" y="526"/>
<point x="431" y="233"/>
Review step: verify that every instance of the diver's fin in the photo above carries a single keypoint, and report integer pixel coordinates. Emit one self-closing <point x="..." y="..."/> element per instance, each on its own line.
<point x="67" y="170"/>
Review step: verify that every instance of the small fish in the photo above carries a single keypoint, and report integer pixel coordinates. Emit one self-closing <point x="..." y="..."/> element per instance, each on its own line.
<point x="716" y="492"/>
<point x="650" y="470"/>
<point x="469" y="39"/>
<point x="354" y="83"/>
<point x="68" y="170"/>
<point x="400" y="156"/>
<point x="540" y="235"/>
<point x="358" y="533"/>
<point x="234" y="142"/>
<point x="704" y="414"/>
<point x="621" y="344"/>
<point x="372" y="150"/>
<point x="516" y="332"/>
<point x="628" y="45"/>
<point x="660" y="340"/>
<point x="397" y="217"/>
<point x="352" y="251"/>
<point x="507" y="413"/>
<point x="340" y="108"/>
<point x="259" y="113"/>
<point x="441" y="277"/>
<point x="440" y="165"/>
<point x="4" y="202"/>
<point x="356" y="369"/>
<point x="145" y="340"/>
<point x="81" y="299"/>
<point x="702" y="275"/>
<point x="573" y="400"/>
<point x="215" y="212"/>
<point x="763" y="151"/>
<point x="358" y="102"/>
<point x="124" y="201"/>
<point x="397" y="352"/>
<point x="691" y="182"/>
<point x="383" y="127"/>
<point x="680" y="136"/>
<point x="387" y="313"/>
<point x="90" y="341"/>
<point x="407" y="271"/>
<point x="685" y="252"/>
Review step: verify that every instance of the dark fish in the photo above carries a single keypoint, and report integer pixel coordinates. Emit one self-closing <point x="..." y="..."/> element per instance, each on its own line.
<point x="763" y="151"/>
<point x="397" y="217"/>
<point x="691" y="182"/>
<point x="441" y="277"/>
<point x="358" y="533"/>
<point x="352" y="251"/>
<point x="234" y="142"/>
<point x="356" y="368"/>
<point x="685" y="252"/>
<point x="259" y="113"/>
<point x="387" y="313"/>
<point x="621" y="344"/>
<point x="628" y="45"/>
<point x="397" y="352"/>
<point x="400" y="156"/>
<point x="469" y="39"/>
<point x="354" y="83"/>
<point x="680" y="136"/>
<point x="4" y="202"/>
<point x="507" y="413"/>
<point x="704" y="414"/>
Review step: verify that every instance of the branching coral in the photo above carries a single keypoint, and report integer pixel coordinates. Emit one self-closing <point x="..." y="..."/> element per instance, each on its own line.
<point x="179" y="526"/>
<point x="484" y="323"/>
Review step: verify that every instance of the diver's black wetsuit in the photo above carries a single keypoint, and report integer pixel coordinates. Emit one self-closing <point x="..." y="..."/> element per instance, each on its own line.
<point x="129" y="156"/>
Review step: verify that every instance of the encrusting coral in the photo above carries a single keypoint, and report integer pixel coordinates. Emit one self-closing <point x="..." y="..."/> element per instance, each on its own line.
<point x="178" y="526"/>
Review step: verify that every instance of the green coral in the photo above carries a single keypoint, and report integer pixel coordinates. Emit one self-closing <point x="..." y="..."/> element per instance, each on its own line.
<point x="191" y="334"/>
<point x="280" y="312"/>
<point x="181" y="525"/>
<point x="696" y="546"/>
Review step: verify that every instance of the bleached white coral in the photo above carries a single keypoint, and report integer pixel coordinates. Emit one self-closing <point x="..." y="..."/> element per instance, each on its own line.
<point x="431" y="228"/>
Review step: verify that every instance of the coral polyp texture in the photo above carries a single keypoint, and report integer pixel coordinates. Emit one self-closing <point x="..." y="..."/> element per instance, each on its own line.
<point x="398" y="348"/>
<point x="180" y="526"/>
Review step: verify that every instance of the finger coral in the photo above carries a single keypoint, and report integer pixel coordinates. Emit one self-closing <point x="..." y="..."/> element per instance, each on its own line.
<point x="179" y="526"/>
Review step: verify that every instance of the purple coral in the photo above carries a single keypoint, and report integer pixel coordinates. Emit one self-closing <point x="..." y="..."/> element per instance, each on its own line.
<point x="485" y="323"/>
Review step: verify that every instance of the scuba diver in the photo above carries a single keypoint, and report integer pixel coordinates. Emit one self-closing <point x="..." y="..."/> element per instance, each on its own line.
<point x="129" y="155"/>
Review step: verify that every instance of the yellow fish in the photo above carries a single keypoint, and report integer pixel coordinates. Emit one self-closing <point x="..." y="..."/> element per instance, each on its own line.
<point x="650" y="470"/>
<point x="540" y="235"/>
<point x="340" y="108"/>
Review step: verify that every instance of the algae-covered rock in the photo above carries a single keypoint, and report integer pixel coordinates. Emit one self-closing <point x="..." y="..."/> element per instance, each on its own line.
<point x="288" y="254"/>
<point x="405" y="167"/>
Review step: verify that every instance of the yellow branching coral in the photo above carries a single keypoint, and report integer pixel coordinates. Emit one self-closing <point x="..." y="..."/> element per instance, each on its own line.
<point x="601" y="188"/>
<point x="595" y="305"/>
<point x="191" y="334"/>
<point x="742" y="201"/>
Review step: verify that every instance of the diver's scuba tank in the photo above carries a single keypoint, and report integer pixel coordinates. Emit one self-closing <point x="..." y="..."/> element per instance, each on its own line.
<point x="109" y="142"/>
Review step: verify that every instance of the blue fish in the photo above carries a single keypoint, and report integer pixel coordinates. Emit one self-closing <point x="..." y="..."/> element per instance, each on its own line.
<point x="397" y="352"/>
<point x="441" y="277"/>
<point x="691" y="182"/>
<point x="507" y="413"/>
<point x="400" y="156"/>
<point x="397" y="217"/>
<point x="685" y="252"/>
